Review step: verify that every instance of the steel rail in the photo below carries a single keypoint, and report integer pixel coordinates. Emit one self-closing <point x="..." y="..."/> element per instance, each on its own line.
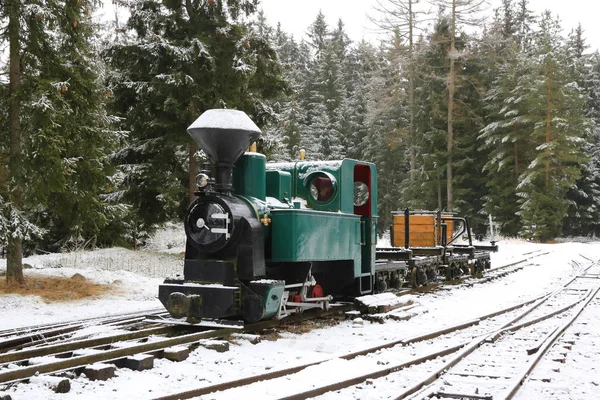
<point x="315" y="392"/>
<point x="22" y="355"/>
<point x="492" y="336"/>
<point x="31" y="329"/>
<point x="20" y="374"/>
<point x="39" y="336"/>
<point x="546" y="345"/>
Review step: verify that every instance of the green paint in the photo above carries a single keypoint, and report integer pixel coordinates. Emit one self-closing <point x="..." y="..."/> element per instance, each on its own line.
<point x="273" y="300"/>
<point x="308" y="235"/>
<point x="249" y="177"/>
<point x="279" y="185"/>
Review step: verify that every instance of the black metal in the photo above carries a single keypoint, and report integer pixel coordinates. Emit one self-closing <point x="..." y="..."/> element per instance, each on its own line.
<point x="204" y="301"/>
<point x="393" y="254"/>
<point x="468" y="231"/>
<point x="209" y="272"/>
<point x="224" y="135"/>
<point x="406" y="228"/>
<point x="462" y="230"/>
<point x="439" y="221"/>
<point x="444" y="234"/>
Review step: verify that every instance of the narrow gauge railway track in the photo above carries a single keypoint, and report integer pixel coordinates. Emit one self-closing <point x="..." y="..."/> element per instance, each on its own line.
<point x="75" y="355"/>
<point x="40" y="327"/>
<point x="465" y="337"/>
<point x="495" y="366"/>
<point x="465" y="329"/>
<point x="469" y="280"/>
<point x="45" y="334"/>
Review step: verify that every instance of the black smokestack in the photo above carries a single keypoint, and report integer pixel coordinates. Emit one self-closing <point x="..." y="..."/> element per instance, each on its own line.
<point x="224" y="135"/>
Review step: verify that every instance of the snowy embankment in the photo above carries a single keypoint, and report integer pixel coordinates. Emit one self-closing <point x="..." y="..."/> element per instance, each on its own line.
<point x="140" y="273"/>
<point x="134" y="275"/>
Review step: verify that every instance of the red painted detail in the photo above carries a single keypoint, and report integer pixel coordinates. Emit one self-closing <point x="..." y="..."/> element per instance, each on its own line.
<point x="317" y="291"/>
<point x="362" y="173"/>
<point x="295" y="298"/>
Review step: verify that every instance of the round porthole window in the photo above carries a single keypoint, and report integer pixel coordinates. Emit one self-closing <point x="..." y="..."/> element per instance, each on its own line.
<point x="321" y="189"/>
<point x="361" y="194"/>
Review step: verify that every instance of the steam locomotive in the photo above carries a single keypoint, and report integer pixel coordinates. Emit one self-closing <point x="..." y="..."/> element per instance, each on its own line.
<point x="269" y="239"/>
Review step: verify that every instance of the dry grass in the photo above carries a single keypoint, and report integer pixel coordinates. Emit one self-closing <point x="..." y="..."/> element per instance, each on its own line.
<point x="52" y="289"/>
<point x="307" y="326"/>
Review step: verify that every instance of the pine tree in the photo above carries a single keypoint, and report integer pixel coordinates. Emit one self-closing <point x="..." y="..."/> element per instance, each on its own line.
<point x="401" y="20"/>
<point x="431" y="99"/>
<point x="59" y="130"/>
<point x="387" y="141"/>
<point x="507" y="140"/>
<point x="362" y="65"/>
<point x="461" y="12"/>
<point x="291" y="113"/>
<point x="556" y="107"/>
<point x="584" y="196"/>
<point x="189" y="57"/>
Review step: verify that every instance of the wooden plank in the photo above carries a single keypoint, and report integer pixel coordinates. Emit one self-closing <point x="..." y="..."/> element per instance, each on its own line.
<point x="415" y="220"/>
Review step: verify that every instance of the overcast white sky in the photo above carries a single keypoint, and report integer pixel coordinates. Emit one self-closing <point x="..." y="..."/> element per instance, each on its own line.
<point x="296" y="15"/>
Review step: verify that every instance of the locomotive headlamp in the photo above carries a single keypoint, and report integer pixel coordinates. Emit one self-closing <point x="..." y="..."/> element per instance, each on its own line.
<point x="202" y="180"/>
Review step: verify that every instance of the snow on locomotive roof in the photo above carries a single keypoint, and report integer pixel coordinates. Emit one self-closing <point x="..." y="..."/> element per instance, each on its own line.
<point x="225" y="119"/>
<point x="335" y="164"/>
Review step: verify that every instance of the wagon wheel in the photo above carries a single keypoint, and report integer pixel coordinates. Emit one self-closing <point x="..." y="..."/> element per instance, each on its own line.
<point x="414" y="283"/>
<point x="448" y="272"/>
<point x="465" y="269"/>
<point x="431" y="274"/>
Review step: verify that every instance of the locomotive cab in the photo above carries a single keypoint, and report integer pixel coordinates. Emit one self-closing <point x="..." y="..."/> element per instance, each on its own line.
<point x="331" y="231"/>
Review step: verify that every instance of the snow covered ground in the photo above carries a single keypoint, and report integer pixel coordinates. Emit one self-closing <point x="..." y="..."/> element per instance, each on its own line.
<point x="139" y="274"/>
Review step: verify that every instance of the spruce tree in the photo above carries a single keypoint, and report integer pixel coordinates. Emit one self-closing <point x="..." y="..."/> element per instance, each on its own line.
<point x="59" y="134"/>
<point x="556" y="108"/>
<point x="506" y="137"/>
<point x="188" y="57"/>
<point x="584" y="196"/>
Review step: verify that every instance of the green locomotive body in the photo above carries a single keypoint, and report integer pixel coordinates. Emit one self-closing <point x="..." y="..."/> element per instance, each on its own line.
<point x="269" y="239"/>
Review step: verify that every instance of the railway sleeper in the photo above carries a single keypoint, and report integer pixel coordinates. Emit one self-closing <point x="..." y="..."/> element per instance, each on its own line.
<point x="137" y="362"/>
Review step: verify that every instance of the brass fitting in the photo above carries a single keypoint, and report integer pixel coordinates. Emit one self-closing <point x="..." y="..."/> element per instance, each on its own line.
<point x="266" y="221"/>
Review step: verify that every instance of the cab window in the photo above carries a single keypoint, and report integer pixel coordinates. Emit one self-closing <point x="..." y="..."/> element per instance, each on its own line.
<point x="321" y="189"/>
<point x="361" y="194"/>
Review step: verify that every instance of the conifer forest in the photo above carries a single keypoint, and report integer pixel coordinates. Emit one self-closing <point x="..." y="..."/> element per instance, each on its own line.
<point x="497" y="116"/>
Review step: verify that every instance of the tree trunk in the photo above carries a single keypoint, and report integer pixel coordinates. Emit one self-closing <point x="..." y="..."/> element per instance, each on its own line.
<point x="516" y="128"/>
<point x="193" y="170"/>
<point x="516" y="161"/>
<point x="411" y="92"/>
<point x="451" y="87"/>
<point x="14" y="261"/>
<point x="548" y="123"/>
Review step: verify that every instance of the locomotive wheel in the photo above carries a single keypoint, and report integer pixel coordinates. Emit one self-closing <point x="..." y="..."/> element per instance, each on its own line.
<point x="395" y="281"/>
<point x="414" y="283"/>
<point x="317" y="291"/>
<point x="451" y="272"/>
